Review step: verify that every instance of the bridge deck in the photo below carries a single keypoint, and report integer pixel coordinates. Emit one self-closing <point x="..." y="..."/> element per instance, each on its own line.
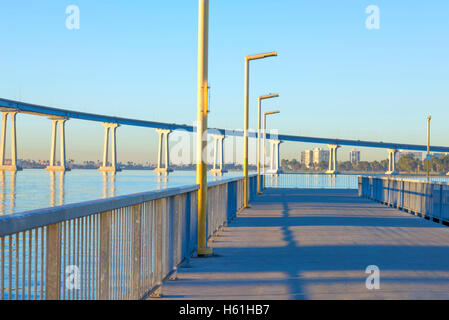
<point x="316" y="244"/>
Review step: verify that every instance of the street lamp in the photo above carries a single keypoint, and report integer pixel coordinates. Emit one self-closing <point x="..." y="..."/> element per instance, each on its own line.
<point x="428" y="157"/>
<point x="264" y="142"/>
<point x="261" y="98"/>
<point x="201" y="143"/>
<point x="246" y="121"/>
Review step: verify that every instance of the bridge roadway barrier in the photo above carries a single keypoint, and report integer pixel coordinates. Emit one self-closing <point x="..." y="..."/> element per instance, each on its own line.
<point x="429" y="200"/>
<point x="116" y="248"/>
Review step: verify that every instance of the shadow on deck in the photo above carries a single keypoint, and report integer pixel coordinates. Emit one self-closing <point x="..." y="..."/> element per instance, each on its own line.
<point x="316" y="244"/>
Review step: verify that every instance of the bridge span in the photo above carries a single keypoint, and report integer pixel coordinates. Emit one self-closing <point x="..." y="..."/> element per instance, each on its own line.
<point x="111" y="123"/>
<point x="10" y="105"/>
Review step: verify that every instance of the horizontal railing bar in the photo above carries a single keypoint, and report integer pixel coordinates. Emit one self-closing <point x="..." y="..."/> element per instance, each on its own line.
<point x="15" y="223"/>
<point x="407" y="180"/>
<point x="28" y="220"/>
<point x="227" y="180"/>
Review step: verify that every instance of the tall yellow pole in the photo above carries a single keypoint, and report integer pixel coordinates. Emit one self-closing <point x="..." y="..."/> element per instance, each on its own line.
<point x="245" y="137"/>
<point x="246" y="123"/>
<point x="264" y="149"/>
<point x="259" y="112"/>
<point x="264" y="143"/>
<point x="203" y="88"/>
<point x="428" y="148"/>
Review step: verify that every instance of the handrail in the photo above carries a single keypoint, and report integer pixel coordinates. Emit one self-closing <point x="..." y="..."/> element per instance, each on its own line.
<point x="15" y="223"/>
<point x="424" y="198"/>
<point x="227" y="180"/>
<point x="121" y="247"/>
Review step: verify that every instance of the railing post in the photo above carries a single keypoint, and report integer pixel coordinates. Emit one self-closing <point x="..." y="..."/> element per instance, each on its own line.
<point x="441" y="202"/>
<point x="105" y="245"/>
<point x="53" y="263"/>
<point x="158" y="255"/>
<point x="136" y="251"/>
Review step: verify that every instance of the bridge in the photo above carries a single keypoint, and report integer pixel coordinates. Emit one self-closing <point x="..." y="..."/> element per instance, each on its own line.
<point x="61" y="116"/>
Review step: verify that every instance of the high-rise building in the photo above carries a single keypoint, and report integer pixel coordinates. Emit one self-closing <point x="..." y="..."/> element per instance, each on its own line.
<point x="307" y="158"/>
<point x="354" y="156"/>
<point x="313" y="157"/>
<point x="320" y="155"/>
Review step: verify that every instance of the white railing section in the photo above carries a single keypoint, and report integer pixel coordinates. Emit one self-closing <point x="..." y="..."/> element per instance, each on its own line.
<point x="427" y="199"/>
<point x="116" y="248"/>
<point x="311" y="181"/>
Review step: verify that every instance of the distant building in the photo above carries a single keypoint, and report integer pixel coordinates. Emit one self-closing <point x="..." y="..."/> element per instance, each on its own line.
<point x="354" y="156"/>
<point x="306" y="158"/>
<point x="320" y="155"/>
<point x="415" y="155"/>
<point x="313" y="157"/>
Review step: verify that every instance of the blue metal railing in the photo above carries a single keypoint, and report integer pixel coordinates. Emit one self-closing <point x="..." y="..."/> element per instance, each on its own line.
<point x="428" y="199"/>
<point x="311" y="181"/>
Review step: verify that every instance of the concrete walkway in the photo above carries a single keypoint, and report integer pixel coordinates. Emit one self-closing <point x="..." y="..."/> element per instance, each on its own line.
<point x="316" y="244"/>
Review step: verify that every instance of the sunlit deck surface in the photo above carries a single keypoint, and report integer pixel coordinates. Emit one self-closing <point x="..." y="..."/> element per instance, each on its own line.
<point x="316" y="244"/>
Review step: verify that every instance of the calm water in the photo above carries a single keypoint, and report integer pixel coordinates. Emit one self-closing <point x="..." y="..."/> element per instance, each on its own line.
<point x="34" y="189"/>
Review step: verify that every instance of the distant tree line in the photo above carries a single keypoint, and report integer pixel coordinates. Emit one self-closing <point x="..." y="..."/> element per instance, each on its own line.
<point x="406" y="164"/>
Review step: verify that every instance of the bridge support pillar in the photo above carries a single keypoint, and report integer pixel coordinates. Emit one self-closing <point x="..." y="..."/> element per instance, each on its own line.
<point x="163" y="141"/>
<point x="218" y="155"/>
<point x="13" y="165"/>
<point x="62" y="165"/>
<point x="113" y="167"/>
<point x="274" y="158"/>
<point x="333" y="159"/>
<point x="391" y="162"/>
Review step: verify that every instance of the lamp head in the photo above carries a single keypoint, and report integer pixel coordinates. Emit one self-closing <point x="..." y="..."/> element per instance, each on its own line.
<point x="269" y="96"/>
<point x="261" y="56"/>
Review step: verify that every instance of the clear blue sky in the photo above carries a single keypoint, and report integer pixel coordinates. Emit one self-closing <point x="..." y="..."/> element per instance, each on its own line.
<point x="138" y="59"/>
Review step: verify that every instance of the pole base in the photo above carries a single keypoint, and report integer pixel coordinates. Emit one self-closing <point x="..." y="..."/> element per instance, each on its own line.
<point x="109" y="169"/>
<point x="204" y="252"/>
<point x="10" y="168"/>
<point x="218" y="172"/>
<point x="164" y="171"/>
<point x="274" y="172"/>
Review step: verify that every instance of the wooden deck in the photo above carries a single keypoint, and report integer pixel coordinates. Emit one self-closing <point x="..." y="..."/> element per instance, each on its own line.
<point x="316" y="244"/>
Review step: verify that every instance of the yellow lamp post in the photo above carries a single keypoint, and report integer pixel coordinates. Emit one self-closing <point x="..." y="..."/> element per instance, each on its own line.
<point x="203" y="87"/>
<point x="264" y="142"/>
<point x="428" y="157"/>
<point x="261" y="98"/>
<point x="246" y="122"/>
